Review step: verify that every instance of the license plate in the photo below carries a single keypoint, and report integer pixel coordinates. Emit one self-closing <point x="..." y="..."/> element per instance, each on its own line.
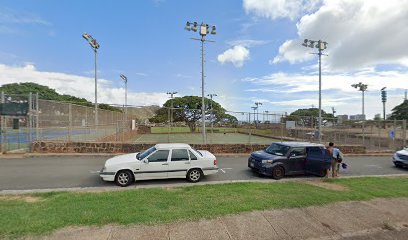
<point x="251" y="164"/>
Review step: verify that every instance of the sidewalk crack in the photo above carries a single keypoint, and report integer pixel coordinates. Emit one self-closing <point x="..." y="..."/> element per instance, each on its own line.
<point x="226" y="229"/>
<point x="262" y="213"/>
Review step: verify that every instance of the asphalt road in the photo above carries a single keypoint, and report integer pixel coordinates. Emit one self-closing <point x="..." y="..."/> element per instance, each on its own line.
<point x="80" y="171"/>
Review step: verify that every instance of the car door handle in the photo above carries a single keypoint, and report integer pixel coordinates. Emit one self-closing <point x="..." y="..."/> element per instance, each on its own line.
<point x="187" y="163"/>
<point x="165" y="164"/>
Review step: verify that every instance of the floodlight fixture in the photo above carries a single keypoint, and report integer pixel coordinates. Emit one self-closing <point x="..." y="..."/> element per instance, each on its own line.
<point x="188" y="27"/>
<point x="123" y="77"/>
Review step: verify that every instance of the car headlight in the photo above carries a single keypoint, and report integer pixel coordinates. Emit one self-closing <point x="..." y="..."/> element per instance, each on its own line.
<point x="267" y="161"/>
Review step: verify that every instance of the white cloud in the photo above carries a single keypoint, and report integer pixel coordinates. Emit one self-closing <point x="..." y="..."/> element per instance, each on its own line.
<point x="78" y="86"/>
<point x="236" y="55"/>
<point x="247" y="42"/>
<point x="274" y="9"/>
<point x="295" y="90"/>
<point x="8" y="16"/>
<point x="360" y="34"/>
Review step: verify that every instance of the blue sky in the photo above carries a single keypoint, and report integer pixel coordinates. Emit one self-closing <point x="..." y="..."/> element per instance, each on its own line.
<point x="257" y="55"/>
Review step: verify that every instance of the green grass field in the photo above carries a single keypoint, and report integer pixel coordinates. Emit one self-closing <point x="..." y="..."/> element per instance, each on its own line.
<point x="227" y="138"/>
<point x="51" y="211"/>
<point x="187" y="130"/>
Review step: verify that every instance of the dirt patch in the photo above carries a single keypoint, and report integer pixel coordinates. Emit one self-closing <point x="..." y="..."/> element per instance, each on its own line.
<point x="329" y="186"/>
<point x="29" y="199"/>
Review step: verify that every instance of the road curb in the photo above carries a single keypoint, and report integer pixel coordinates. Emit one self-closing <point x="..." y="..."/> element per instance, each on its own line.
<point x="174" y="185"/>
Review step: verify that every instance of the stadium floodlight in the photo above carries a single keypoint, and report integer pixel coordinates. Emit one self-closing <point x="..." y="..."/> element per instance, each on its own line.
<point x="383" y="99"/>
<point x="257" y="110"/>
<point x="321" y="45"/>
<point x="204" y="30"/>
<point x="95" y="46"/>
<point x="124" y="78"/>
<point x="361" y="87"/>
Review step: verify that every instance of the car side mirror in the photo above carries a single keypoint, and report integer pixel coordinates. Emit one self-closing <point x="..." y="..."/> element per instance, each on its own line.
<point x="292" y="155"/>
<point x="145" y="160"/>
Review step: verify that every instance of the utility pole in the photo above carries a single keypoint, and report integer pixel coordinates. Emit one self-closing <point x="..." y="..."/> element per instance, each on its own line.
<point x="320" y="45"/>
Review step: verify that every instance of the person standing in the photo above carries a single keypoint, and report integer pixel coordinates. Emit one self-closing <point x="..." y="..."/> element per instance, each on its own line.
<point x="334" y="162"/>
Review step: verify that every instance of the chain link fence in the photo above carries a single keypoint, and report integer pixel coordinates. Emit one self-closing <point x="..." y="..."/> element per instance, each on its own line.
<point x="58" y="121"/>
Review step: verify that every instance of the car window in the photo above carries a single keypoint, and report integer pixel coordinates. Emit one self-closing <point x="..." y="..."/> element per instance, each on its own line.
<point x="159" y="156"/>
<point x="179" y="155"/>
<point x="192" y="155"/>
<point x="314" y="152"/>
<point x="277" y="149"/>
<point x="146" y="153"/>
<point x="198" y="152"/>
<point x="296" y="152"/>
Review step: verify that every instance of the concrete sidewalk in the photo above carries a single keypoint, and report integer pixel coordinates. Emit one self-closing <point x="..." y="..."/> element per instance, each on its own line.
<point x="375" y="219"/>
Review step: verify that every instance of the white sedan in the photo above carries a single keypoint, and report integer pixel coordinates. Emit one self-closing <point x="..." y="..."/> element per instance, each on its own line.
<point x="158" y="162"/>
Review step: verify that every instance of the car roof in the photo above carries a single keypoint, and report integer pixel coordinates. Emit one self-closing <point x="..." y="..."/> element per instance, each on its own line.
<point x="171" y="145"/>
<point x="300" y="144"/>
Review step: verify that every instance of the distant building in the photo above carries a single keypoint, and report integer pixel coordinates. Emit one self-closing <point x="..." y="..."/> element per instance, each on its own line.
<point x="343" y="117"/>
<point x="357" y="117"/>
<point x="377" y="116"/>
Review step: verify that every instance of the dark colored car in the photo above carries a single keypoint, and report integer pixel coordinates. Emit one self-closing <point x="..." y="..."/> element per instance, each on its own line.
<point x="291" y="158"/>
<point x="400" y="158"/>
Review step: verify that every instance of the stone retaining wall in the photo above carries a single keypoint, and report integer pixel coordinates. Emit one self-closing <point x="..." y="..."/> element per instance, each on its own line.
<point x="112" y="147"/>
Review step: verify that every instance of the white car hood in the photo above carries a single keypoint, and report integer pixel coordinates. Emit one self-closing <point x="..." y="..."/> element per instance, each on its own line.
<point x="403" y="152"/>
<point x="125" y="158"/>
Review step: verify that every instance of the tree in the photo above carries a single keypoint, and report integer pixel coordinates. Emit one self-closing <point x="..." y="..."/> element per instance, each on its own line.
<point x="400" y="112"/>
<point x="47" y="93"/>
<point x="308" y="116"/>
<point x="188" y="109"/>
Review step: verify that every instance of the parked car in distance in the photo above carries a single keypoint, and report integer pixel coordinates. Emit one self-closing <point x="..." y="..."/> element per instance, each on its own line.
<point x="161" y="161"/>
<point x="400" y="158"/>
<point x="291" y="158"/>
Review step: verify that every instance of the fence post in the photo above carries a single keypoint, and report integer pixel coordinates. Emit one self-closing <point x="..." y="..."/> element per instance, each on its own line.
<point x="30" y="117"/>
<point x="404" y="133"/>
<point x="37" y="116"/>
<point x="363" y="132"/>
<point x="2" y="127"/>
<point x="69" y="121"/>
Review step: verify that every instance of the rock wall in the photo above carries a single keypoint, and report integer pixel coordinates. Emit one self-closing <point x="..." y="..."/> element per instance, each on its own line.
<point x="113" y="147"/>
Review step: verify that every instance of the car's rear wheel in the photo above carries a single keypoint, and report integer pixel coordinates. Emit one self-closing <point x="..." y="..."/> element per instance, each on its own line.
<point x="124" y="178"/>
<point x="194" y="175"/>
<point x="278" y="172"/>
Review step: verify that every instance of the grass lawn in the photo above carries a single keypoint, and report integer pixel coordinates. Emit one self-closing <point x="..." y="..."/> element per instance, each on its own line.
<point x="161" y="205"/>
<point x="187" y="129"/>
<point x="229" y="138"/>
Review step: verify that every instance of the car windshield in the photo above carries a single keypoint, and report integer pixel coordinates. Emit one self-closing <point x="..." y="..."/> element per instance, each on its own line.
<point x="146" y="153"/>
<point x="197" y="152"/>
<point x="277" y="149"/>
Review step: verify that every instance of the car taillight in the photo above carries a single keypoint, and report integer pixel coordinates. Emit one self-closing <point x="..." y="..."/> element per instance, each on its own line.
<point x="215" y="162"/>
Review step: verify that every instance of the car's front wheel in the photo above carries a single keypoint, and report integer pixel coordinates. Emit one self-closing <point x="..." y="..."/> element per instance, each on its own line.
<point x="124" y="178"/>
<point x="194" y="175"/>
<point x="278" y="172"/>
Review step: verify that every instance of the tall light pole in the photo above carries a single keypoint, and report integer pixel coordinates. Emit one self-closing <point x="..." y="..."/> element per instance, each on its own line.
<point x="383" y="99"/>
<point x="320" y="45"/>
<point x="211" y="95"/>
<point x="361" y="87"/>
<point x="171" y="106"/>
<point x="124" y="78"/>
<point x="254" y="108"/>
<point x="257" y="111"/>
<point x="204" y="30"/>
<point x="267" y="115"/>
<point x="94" y="45"/>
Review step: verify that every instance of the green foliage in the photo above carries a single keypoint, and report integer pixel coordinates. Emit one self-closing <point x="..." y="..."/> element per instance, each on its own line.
<point x="308" y="116"/>
<point x="163" y="205"/>
<point x="47" y="93"/>
<point x="188" y="109"/>
<point x="400" y="112"/>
